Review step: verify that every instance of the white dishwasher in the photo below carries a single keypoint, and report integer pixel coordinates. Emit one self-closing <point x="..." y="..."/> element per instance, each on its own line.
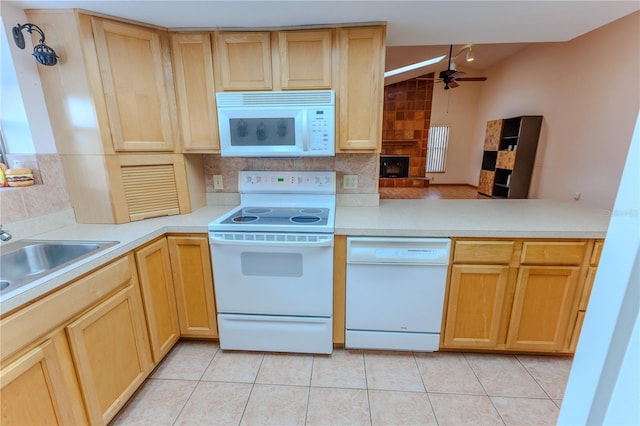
<point x="395" y="292"/>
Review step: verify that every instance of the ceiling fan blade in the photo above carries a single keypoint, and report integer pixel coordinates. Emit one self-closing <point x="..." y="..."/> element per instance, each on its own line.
<point x="458" y="74"/>
<point x="472" y="79"/>
<point x="453" y="84"/>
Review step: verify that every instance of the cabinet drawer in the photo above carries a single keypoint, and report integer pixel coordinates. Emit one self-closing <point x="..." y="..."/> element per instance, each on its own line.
<point x="484" y="252"/>
<point x="553" y="253"/>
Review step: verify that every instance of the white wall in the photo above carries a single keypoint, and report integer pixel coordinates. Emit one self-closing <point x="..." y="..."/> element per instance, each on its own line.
<point x="457" y="108"/>
<point x="588" y="91"/>
<point x="24" y="111"/>
<point x="604" y="385"/>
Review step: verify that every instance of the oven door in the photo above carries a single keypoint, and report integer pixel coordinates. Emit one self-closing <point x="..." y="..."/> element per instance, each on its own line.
<point x="273" y="274"/>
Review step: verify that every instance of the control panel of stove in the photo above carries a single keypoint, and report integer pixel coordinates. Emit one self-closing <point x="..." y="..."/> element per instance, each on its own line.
<point x="293" y="182"/>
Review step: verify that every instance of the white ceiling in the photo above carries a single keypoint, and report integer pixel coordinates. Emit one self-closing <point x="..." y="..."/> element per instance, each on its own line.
<point x="428" y="25"/>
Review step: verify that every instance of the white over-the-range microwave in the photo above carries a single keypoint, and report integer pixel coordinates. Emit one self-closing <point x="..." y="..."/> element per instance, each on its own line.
<point x="277" y="124"/>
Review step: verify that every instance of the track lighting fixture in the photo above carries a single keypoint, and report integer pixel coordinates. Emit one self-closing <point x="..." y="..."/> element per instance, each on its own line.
<point x="43" y="53"/>
<point x="469" y="57"/>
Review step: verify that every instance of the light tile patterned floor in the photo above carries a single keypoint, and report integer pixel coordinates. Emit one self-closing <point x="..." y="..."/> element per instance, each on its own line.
<point x="199" y="384"/>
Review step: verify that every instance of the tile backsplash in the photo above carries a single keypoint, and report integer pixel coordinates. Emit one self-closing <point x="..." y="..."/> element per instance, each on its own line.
<point x="365" y="166"/>
<point x="48" y="195"/>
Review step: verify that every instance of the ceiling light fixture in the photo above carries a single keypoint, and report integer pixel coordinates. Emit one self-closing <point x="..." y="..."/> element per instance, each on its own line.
<point x="43" y="53"/>
<point x="414" y="66"/>
<point x="470" y="56"/>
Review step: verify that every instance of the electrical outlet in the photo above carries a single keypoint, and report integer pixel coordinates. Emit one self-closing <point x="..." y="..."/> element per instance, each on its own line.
<point x="217" y="182"/>
<point x="350" y="182"/>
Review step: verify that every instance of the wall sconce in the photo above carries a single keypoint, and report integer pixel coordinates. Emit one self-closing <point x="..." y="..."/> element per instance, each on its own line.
<point x="43" y="53"/>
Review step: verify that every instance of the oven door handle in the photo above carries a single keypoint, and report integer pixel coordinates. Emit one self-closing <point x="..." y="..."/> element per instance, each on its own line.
<point x="324" y="241"/>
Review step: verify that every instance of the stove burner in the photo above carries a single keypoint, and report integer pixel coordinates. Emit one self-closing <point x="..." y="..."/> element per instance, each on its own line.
<point x="244" y="219"/>
<point x="311" y="211"/>
<point x="257" y="210"/>
<point x="305" y="219"/>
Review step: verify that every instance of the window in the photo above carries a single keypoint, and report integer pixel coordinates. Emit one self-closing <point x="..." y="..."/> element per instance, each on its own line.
<point x="437" y="148"/>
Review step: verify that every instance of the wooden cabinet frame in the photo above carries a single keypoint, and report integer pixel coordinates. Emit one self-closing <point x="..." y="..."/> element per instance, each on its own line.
<point x="111" y="353"/>
<point x="540" y="306"/>
<point x="131" y="60"/>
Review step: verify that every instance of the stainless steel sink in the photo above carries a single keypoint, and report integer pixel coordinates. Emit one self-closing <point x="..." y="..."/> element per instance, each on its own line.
<point x="25" y="261"/>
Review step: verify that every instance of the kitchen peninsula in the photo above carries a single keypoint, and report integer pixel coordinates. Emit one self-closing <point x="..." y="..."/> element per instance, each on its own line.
<point x="405" y="218"/>
<point x="161" y="269"/>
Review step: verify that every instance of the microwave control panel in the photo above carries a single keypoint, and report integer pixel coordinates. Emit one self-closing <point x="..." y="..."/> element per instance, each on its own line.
<point x="321" y="121"/>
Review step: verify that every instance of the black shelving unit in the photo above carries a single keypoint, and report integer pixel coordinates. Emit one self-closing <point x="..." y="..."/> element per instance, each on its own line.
<point x="511" y="165"/>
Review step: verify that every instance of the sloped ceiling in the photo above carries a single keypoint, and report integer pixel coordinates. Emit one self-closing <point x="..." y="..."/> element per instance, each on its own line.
<point x="416" y="30"/>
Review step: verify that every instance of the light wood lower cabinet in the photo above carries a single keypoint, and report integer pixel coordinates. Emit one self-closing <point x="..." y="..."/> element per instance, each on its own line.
<point x="542" y="307"/>
<point x="517" y="295"/>
<point x="39" y="388"/>
<point x="339" y="288"/>
<point x="193" y="281"/>
<point x="156" y="284"/>
<point x="110" y="350"/>
<point x="477" y="306"/>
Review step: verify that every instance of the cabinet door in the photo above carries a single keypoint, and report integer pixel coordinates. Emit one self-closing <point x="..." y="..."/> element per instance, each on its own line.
<point x="111" y="353"/>
<point x="361" y="88"/>
<point x="305" y="59"/>
<point x="485" y="183"/>
<point x="132" y="69"/>
<point x="193" y="280"/>
<point x="543" y="303"/>
<point x="35" y="389"/>
<point x="156" y="283"/>
<point x="243" y="60"/>
<point x="477" y="306"/>
<point x="492" y="135"/>
<point x="195" y="91"/>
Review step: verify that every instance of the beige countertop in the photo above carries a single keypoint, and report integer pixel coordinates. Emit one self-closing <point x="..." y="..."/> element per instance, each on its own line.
<point x="405" y="218"/>
<point x="474" y="218"/>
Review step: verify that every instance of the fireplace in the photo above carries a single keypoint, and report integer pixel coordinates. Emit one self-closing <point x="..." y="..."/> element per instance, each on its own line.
<point x="394" y="166"/>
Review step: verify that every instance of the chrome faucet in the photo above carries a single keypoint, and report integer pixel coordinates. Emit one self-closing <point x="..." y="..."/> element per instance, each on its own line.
<point x="4" y="235"/>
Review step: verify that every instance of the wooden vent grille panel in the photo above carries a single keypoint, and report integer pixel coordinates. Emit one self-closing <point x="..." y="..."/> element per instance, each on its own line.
<point x="150" y="191"/>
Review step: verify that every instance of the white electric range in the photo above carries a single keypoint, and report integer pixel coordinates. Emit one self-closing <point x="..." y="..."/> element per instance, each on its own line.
<point x="273" y="263"/>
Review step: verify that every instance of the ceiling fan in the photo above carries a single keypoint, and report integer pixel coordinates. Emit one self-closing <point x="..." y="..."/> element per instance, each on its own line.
<point x="451" y="75"/>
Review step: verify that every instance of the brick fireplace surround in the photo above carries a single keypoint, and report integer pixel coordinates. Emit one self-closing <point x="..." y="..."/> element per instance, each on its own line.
<point x="405" y="129"/>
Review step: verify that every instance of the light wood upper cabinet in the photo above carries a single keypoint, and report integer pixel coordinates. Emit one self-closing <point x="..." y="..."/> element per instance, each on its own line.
<point x="36" y="388"/>
<point x="243" y="60"/>
<point x="156" y="284"/>
<point x="361" y="88"/>
<point x="132" y="68"/>
<point x="305" y="59"/>
<point x="193" y="280"/>
<point x="111" y="353"/>
<point x="195" y="91"/>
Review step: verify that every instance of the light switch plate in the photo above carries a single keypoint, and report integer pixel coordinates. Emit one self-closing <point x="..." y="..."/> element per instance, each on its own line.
<point x="350" y="182"/>
<point x="217" y="182"/>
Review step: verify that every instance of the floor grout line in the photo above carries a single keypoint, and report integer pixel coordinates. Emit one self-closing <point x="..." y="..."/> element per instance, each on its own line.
<point x="483" y="387"/>
<point x="426" y="389"/>
<point x="197" y="382"/>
